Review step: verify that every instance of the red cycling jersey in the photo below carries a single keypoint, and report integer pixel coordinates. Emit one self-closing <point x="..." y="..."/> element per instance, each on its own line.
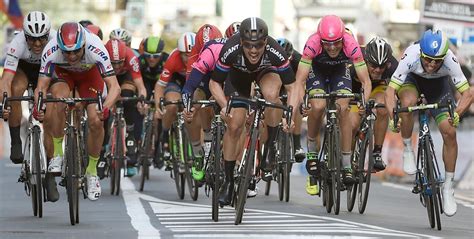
<point x="130" y="65"/>
<point x="174" y="64"/>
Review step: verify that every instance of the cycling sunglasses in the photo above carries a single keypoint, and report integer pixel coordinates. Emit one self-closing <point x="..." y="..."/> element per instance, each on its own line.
<point x="155" y="55"/>
<point x="383" y="66"/>
<point x="437" y="60"/>
<point x="330" y="43"/>
<point x="250" y="45"/>
<point x="34" y="39"/>
<point x="75" y="52"/>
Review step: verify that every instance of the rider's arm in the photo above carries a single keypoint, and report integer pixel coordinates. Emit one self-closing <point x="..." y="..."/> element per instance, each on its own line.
<point x="464" y="102"/>
<point x="218" y="93"/>
<point x="42" y="86"/>
<point x="134" y="67"/>
<point x="460" y="82"/>
<point x="363" y="76"/>
<point x="390" y="100"/>
<point x="304" y="68"/>
<point x="6" y="83"/>
<point x="113" y="91"/>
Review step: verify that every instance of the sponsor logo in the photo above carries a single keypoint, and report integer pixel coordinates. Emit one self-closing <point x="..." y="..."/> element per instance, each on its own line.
<point x="97" y="51"/>
<point x="205" y="34"/>
<point x="275" y="52"/>
<point x="228" y="52"/>
<point x="134" y="64"/>
<point x="166" y="73"/>
<point x="10" y="63"/>
<point x="12" y="50"/>
<point x="434" y="44"/>
<point x="49" y="52"/>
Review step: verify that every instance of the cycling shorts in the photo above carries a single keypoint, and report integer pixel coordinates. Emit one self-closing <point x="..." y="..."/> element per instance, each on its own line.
<point x="87" y="83"/>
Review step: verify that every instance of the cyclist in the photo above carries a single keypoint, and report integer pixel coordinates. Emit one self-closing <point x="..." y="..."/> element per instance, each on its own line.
<point x="330" y="51"/>
<point x="294" y="57"/>
<point x="205" y="34"/>
<point x="426" y="68"/>
<point x="95" y="30"/>
<point x="121" y="34"/>
<point x="381" y="64"/>
<point x="232" y="29"/>
<point x="171" y="81"/>
<point x="22" y="65"/>
<point x="251" y="55"/>
<point x="85" y="22"/>
<point x="152" y="62"/>
<point x="127" y="70"/>
<point x="78" y="60"/>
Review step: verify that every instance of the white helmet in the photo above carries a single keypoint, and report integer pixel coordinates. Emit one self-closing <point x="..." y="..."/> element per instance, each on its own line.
<point x="36" y="24"/>
<point x="186" y="42"/>
<point x="121" y="34"/>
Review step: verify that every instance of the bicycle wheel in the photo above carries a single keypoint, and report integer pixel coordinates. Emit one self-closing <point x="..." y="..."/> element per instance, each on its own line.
<point x="144" y="154"/>
<point x="71" y="175"/>
<point x="352" y="190"/>
<point x="335" y="169"/>
<point x="244" y="180"/>
<point x="192" y="184"/>
<point x="118" y="156"/>
<point x="365" y="155"/>
<point x="281" y="164"/>
<point x="36" y="170"/>
<point x="288" y="153"/>
<point x="434" y="179"/>
<point x="325" y="175"/>
<point x="178" y="176"/>
<point x="216" y="174"/>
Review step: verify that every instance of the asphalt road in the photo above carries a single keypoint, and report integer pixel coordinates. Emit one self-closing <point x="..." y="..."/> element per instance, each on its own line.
<point x="392" y="212"/>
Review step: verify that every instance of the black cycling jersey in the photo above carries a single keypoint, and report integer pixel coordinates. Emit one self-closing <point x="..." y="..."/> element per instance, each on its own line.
<point x="295" y="60"/>
<point x="232" y="57"/>
<point x="151" y="75"/>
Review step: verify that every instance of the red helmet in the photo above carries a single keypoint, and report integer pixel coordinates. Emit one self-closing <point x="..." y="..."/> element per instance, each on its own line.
<point x="232" y="29"/>
<point x="71" y="36"/>
<point x="94" y="29"/>
<point x="331" y="28"/>
<point x="206" y="33"/>
<point x="117" y="50"/>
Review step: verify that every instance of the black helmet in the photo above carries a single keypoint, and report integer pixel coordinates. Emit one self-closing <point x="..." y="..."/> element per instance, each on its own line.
<point x="377" y="51"/>
<point x="287" y="46"/>
<point x="253" y="29"/>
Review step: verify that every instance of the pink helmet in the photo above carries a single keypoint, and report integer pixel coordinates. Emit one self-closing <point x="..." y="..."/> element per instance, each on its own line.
<point x="331" y="28"/>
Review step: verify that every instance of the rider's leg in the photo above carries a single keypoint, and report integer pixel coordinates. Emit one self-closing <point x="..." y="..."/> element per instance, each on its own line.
<point x="408" y="96"/>
<point x="54" y="122"/>
<point x="18" y="87"/>
<point x="270" y="85"/>
<point x="231" y="135"/>
<point x="380" y="128"/>
<point x="299" y="152"/>
<point x="450" y="153"/>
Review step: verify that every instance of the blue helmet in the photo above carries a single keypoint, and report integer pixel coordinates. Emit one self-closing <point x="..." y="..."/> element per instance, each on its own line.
<point x="434" y="44"/>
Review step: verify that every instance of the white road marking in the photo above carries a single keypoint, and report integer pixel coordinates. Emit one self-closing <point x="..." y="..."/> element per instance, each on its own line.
<point x="139" y="218"/>
<point x="327" y="225"/>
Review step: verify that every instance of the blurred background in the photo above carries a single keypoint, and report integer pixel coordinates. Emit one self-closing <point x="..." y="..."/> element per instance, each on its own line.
<point x="401" y="22"/>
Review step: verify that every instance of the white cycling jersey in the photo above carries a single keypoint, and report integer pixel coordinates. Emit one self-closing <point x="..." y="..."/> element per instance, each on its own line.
<point x="411" y="63"/>
<point x="18" y="50"/>
<point x="95" y="55"/>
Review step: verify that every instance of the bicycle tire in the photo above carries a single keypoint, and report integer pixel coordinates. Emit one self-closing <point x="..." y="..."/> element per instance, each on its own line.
<point x="325" y="178"/>
<point x="244" y="180"/>
<point x="364" y="181"/>
<point x="267" y="188"/>
<point x="144" y="155"/>
<point x="335" y="165"/>
<point x="36" y="170"/>
<point x="119" y="155"/>
<point x="288" y="152"/>
<point x="71" y="179"/>
<point x="280" y="166"/>
<point x="192" y="184"/>
<point x="177" y="175"/>
<point x="217" y="154"/>
<point x="352" y="190"/>
<point x="433" y="182"/>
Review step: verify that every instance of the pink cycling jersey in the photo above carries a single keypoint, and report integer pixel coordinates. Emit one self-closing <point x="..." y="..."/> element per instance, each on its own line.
<point x="313" y="48"/>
